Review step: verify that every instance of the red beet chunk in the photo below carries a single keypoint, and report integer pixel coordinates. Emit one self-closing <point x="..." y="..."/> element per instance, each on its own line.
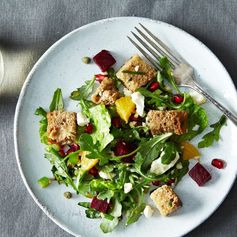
<point x="100" y="205"/>
<point x="104" y="60"/>
<point x="199" y="174"/>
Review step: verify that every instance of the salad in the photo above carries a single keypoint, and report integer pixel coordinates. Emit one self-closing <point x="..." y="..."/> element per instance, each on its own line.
<point x="128" y="138"/>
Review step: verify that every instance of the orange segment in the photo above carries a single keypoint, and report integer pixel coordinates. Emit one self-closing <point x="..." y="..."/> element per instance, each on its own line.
<point x="125" y="107"/>
<point x="86" y="163"/>
<point x="189" y="151"/>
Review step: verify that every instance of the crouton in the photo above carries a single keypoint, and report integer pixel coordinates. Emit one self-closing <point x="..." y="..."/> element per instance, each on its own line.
<point x="106" y="93"/>
<point x="166" y="200"/>
<point x="167" y="121"/>
<point x="135" y="81"/>
<point x="61" y="127"/>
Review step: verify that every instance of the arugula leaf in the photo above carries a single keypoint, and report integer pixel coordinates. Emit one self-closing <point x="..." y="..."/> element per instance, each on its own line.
<point x="135" y="213"/>
<point x="112" y="75"/>
<point x="129" y="134"/>
<point x="169" y="152"/>
<point x="84" y="204"/>
<point x="86" y="144"/>
<point x="149" y="151"/>
<point x="43" y="125"/>
<point x="60" y="169"/>
<point x="154" y="97"/>
<point x="197" y="116"/>
<point x="209" y="138"/>
<point x="102" y="122"/>
<point x="57" y="101"/>
<point x="84" y="91"/>
<point x="167" y="71"/>
<point x="92" y="213"/>
<point x="108" y="194"/>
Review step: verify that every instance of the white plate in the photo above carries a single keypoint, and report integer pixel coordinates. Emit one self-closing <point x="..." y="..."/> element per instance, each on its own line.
<point x="61" y="66"/>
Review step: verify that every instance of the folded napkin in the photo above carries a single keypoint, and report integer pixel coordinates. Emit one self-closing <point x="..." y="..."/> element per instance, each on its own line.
<point x="14" y="68"/>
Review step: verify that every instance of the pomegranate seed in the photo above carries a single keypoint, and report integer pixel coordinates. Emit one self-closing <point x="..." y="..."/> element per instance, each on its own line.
<point x="104" y="60"/>
<point x="154" y="86"/>
<point x="199" y="174"/>
<point x="178" y="99"/>
<point x="116" y="122"/>
<point x="94" y="171"/>
<point x="99" y="77"/>
<point x="170" y="182"/>
<point x="121" y="148"/>
<point x="218" y="163"/>
<point x="99" y="205"/>
<point x="89" y="128"/>
<point x="75" y="147"/>
<point x="156" y="183"/>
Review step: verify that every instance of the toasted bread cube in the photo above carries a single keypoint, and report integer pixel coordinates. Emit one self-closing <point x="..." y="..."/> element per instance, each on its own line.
<point x="61" y="127"/>
<point x="166" y="200"/>
<point x="106" y="93"/>
<point x="167" y="121"/>
<point x="135" y="81"/>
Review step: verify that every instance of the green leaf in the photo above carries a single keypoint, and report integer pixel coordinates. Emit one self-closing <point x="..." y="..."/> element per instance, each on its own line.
<point x="134" y="72"/>
<point x="109" y="225"/>
<point x="149" y="151"/>
<point x="57" y="101"/>
<point x="214" y="135"/>
<point x="169" y="152"/>
<point x="167" y="71"/>
<point x="43" y="125"/>
<point x="112" y="75"/>
<point x="44" y="182"/>
<point x="60" y="168"/>
<point x="108" y="194"/>
<point x="135" y="213"/>
<point x="197" y="116"/>
<point x="102" y="122"/>
<point x="84" y="204"/>
<point x="84" y="91"/>
<point x="92" y="213"/>
<point x="87" y="144"/>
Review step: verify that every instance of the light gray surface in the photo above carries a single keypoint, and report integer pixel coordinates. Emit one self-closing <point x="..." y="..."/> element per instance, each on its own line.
<point x="28" y="28"/>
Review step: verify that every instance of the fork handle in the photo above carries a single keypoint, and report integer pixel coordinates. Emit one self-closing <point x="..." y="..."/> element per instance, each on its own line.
<point x="226" y="112"/>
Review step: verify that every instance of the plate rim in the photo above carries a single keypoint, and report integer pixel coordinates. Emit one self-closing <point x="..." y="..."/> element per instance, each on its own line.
<point x="30" y="76"/>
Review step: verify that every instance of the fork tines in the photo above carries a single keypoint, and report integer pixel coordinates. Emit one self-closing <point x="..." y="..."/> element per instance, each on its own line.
<point x="155" y="47"/>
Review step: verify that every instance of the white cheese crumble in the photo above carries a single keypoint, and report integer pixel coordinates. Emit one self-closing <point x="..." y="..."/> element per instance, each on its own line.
<point x="197" y="97"/>
<point x="139" y="100"/>
<point x="127" y="187"/>
<point x="148" y="211"/>
<point x="104" y="175"/>
<point x="82" y="120"/>
<point x="158" y="168"/>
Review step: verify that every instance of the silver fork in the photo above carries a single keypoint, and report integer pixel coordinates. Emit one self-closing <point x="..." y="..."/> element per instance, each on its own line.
<point x="183" y="72"/>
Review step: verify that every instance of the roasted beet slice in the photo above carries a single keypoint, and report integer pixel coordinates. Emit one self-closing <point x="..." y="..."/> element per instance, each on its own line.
<point x="100" y="205"/>
<point x="199" y="174"/>
<point x="104" y="60"/>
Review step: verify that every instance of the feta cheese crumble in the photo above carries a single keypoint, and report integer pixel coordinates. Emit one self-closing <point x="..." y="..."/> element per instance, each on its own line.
<point x="82" y="120"/>
<point x="139" y="100"/>
<point x="148" y="211"/>
<point x="127" y="187"/>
